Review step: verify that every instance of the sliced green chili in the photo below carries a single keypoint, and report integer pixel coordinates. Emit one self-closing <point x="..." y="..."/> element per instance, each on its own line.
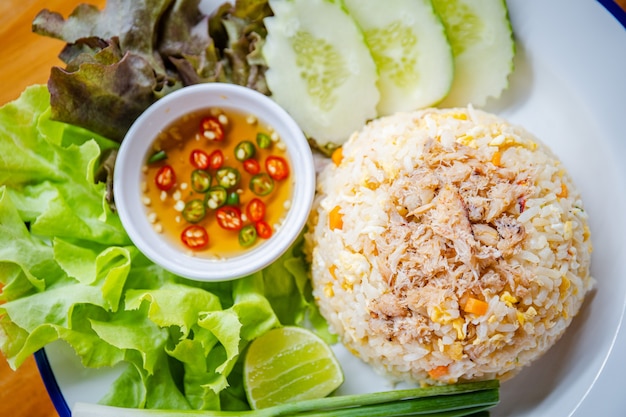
<point x="157" y="156"/>
<point x="233" y="198"/>
<point x="263" y="140"/>
<point x="216" y="197"/>
<point x="194" y="211"/>
<point x="227" y="177"/>
<point x="247" y="235"/>
<point x="244" y="150"/>
<point x="261" y="184"/>
<point x="200" y="181"/>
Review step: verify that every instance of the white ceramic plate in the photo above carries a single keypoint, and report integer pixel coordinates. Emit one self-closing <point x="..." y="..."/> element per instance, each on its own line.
<point x="569" y="88"/>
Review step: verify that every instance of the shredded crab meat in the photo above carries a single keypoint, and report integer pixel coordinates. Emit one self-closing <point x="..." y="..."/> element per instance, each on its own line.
<point x="459" y="228"/>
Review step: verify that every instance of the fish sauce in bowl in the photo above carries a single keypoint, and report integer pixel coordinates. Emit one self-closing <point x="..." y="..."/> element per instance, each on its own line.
<point x="217" y="182"/>
<point x="214" y="182"/>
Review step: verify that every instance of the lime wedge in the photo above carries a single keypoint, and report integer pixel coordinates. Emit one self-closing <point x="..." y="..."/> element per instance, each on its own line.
<point x="289" y="364"/>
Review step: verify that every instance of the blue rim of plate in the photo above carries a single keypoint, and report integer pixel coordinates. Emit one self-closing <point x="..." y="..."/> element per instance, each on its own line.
<point x="51" y="384"/>
<point x="615" y="10"/>
<point x="45" y="370"/>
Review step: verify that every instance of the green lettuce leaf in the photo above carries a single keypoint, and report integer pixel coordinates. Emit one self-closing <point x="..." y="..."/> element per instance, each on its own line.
<point x="50" y="177"/>
<point x="68" y="272"/>
<point x="135" y="388"/>
<point x="133" y="330"/>
<point x="21" y="253"/>
<point x="164" y="305"/>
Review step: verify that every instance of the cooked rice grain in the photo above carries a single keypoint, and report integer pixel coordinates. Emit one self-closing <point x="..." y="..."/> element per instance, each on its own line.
<point x="439" y="207"/>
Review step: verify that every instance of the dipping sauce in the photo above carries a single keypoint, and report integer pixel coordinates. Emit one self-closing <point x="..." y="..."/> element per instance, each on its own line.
<point x="217" y="182"/>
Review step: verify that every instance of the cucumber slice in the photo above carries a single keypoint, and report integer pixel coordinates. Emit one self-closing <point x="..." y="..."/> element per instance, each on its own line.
<point x="320" y="69"/>
<point x="482" y="43"/>
<point x="410" y="48"/>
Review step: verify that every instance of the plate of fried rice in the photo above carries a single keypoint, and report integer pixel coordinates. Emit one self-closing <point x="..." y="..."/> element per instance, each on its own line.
<point x="528" y="194"/>
<point x="440" y="269"/>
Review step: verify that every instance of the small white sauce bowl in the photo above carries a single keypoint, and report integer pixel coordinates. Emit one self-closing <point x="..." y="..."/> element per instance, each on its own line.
<point x="128" y="178"/>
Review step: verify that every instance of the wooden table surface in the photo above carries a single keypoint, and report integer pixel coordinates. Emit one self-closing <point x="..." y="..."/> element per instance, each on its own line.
<point x="25" y="59"/>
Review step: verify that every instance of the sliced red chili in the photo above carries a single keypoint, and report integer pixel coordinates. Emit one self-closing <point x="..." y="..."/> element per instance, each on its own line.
<point x="165" y="178"/>
<point x="263" y="229"/>
<point x="251" y="166"/>
<point x="255" y="210"/>
<point x="199" y="159"/>
<point x="216" y="159"/>
<point x="277" y="167"/>
<point x="195" y="237"/>
<point x="211" y="128"/>
<point x="229" y="218"/>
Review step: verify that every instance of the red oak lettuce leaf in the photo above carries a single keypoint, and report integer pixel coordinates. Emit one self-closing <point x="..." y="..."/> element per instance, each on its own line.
<point x="135" y="23"/>
<point x="121" y="59"/>
<point x="104" y="92"/>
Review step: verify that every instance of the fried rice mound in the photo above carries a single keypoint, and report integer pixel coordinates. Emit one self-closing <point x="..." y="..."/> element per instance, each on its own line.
<point x="448" y="245"/>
